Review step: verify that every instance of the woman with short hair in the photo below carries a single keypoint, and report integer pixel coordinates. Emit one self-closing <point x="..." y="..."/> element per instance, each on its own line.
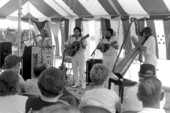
<point x="100" y="95"/>
<point x="10" y="101"/>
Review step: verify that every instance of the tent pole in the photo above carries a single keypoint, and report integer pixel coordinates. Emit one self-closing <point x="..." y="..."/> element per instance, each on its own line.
<point x="19" y="27"/>
<point x="29" y="21"/>
<point x="118" y="29"/>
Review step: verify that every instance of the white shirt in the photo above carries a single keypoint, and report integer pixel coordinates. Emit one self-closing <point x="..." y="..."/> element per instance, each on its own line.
<point x="152" y="110"/>
<point x="111" y="51"/>
<point x="13" y="104"/>
<point x="150" y="54"/>
<point x="101" y="97"/>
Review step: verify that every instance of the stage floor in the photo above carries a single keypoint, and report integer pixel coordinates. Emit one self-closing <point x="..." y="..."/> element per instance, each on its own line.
<point x="163" y="71"/>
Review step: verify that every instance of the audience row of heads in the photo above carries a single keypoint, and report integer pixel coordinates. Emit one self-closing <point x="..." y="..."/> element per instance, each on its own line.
<point x="150" y="87"/>
<point x="50" y="81"/>
<point x="99" y="73"/>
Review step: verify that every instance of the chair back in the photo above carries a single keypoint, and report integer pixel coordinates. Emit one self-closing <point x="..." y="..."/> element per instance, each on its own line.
<point x="93" y="109"/>
<point x="129" y="111"/>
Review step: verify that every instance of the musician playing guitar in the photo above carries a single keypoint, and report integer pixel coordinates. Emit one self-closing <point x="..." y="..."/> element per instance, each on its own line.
<point x="78" y="59"/>
<point x="110" y="50"/>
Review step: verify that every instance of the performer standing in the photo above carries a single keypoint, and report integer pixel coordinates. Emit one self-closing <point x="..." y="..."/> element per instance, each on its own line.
<point x="46" y="56"/>
<point x="78" y="60"/>
<point x="149" y="47"/>
<point x="110" y="53"/>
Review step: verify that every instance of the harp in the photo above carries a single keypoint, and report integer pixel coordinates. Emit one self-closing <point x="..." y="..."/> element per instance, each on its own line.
<point x="121" y="68"/>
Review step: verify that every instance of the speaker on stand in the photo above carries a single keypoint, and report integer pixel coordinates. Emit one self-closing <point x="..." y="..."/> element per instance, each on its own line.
<point x="5" y="50"/>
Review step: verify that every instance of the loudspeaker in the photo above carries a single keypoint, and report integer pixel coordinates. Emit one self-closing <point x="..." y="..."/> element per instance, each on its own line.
<point x="26" y="65"/>
<point x="89" y="65"/>
<point x="5" y="49"/>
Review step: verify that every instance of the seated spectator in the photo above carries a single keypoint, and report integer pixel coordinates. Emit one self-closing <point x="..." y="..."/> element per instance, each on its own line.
<point x="13" y="62"/>
<point x="131" y="102"/>
<point x="51" y="84"/>
<point x="100" y="95"/>
<point x="59" y="108"/>
<point x="69" y="98"/>
<point x="10" y="101"/>
<point x="150" y="93"/>
<point x="31" y="86"/>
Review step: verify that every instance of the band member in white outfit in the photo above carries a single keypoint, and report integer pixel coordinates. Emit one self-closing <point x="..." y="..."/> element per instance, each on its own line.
<point x="149" y="47"/>
<point x="110" y="54"/>
<point x="78" y="60"/>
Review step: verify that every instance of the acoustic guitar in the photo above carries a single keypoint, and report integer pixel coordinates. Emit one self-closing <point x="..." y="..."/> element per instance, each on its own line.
<point x="75" y="46"/>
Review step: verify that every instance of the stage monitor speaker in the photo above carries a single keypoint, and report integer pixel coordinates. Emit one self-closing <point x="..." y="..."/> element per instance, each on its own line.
<point x="29" y="60"/>
<point x="89" y="65"/>
<point x="27" y="66"/>
<point x="5" y="49"/>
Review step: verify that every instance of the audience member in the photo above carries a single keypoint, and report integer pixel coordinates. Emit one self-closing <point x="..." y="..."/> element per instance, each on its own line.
<point x="31" y="86"/>
<point x="10" y="101"/>
<point x="131" y="101"/>
<point x="14" y="62"/>
<point x="100" y="95"/>
<point x="51" y="84"/>
<point x="59" y="108"/>
<point x="150" y="93"/>
<point x="69" y="98"/>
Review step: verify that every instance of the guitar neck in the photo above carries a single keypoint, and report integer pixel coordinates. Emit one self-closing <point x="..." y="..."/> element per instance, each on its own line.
<point x="83" y="38"/>
<point x="62" y="63"/>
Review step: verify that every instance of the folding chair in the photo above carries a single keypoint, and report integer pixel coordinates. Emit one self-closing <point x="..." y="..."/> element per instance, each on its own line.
<point x="93" y="109"/>
<point x="129" y="111"/>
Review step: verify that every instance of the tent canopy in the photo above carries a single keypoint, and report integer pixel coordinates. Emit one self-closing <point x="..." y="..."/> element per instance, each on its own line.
<point x="43" y="9"/>
<point x="74" y="10"/>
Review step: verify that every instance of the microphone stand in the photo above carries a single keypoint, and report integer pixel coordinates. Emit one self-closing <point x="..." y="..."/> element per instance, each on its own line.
<point x="93" y="53"/>
<point x="96" y="47"/>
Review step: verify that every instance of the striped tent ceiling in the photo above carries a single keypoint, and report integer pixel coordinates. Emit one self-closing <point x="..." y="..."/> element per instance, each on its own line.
<point x="43" y="9"/>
